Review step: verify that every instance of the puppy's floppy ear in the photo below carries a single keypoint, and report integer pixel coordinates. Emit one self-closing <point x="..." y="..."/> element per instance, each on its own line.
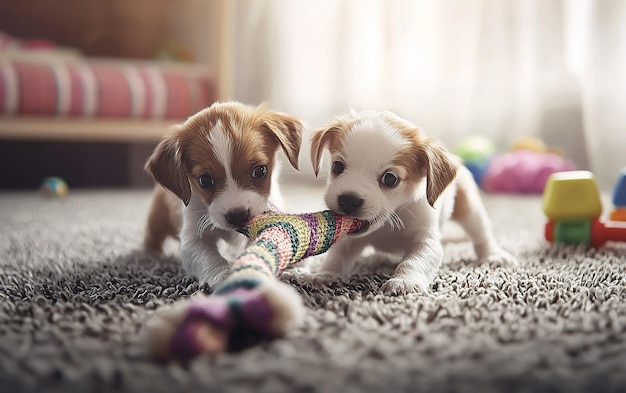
<point x="328" y="137"/>
<point x="166" y="167"/>
<point x="441" y="169"/>
<point x="288" y="131"/>
<point x="321" y="138"/>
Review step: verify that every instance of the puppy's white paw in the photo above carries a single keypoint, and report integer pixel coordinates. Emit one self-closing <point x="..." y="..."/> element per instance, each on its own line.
<point x="500" y="257"/>
<point x="396" y="286"/>
<point x="215" y="277"/>
<point x="297" y="272"/>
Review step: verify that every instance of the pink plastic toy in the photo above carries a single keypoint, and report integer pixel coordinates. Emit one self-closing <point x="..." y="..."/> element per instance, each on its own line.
<point x="523" y="171"/>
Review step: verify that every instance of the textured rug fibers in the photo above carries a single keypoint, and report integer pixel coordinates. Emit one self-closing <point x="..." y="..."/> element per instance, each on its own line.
<point x="75" y="291"/>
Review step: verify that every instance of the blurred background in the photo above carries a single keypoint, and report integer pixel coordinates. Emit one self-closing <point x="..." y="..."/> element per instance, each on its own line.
<point x="88" y="87"/>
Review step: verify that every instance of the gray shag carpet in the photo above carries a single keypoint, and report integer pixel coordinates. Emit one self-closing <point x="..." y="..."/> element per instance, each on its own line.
<point x="75" y="291"/>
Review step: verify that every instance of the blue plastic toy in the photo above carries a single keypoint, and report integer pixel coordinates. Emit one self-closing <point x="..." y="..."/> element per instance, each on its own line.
<point x="619" y="198"/>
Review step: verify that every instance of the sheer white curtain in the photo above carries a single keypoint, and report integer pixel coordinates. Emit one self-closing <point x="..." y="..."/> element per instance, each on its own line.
<point x="503" y="68"/>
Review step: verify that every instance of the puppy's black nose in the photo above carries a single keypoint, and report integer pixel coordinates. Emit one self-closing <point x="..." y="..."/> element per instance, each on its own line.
<point x="349" y="203"/>
<point x="237" y="217"/>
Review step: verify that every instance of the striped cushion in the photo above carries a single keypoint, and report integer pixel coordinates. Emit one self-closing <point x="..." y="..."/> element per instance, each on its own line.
<point x="74" y="87"/>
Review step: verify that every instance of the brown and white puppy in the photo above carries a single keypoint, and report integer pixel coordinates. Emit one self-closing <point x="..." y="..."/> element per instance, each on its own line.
<point x="221" y="163"/>
<point x="404" y="184"/>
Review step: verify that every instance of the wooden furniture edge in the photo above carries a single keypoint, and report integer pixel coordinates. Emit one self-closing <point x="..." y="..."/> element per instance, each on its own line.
<point x="52" y="128"/>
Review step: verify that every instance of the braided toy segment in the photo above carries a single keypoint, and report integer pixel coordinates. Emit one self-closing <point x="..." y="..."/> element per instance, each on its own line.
<point x="251" y="301"/>
<point x="284" y="239"/>
<point x="309" y="233"/>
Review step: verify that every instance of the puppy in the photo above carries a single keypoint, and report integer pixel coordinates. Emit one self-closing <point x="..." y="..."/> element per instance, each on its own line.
<point x="221" y="163"/>
<point x="404" y="184"/>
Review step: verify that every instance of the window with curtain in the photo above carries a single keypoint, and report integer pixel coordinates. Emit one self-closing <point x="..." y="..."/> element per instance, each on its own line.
<point x="555" y="69"/>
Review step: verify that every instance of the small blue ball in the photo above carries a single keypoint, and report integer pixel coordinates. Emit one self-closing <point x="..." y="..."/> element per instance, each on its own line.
<point x="54" y="187"/>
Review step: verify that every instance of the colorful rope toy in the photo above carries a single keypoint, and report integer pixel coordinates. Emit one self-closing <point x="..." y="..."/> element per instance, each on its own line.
<point x="251" y="304"/>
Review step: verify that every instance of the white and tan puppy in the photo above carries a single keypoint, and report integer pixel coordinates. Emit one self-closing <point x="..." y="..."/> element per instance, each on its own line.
<point x="221" y="163"/>
<point x="405" y="184"/>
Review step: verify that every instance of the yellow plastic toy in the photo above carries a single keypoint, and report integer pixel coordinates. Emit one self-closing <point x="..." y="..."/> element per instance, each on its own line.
<point x="571" y="201"/>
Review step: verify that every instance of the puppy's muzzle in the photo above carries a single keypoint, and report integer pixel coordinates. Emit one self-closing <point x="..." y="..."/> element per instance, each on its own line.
<point x="237" y="217"/>
<point x="350" y="203"/>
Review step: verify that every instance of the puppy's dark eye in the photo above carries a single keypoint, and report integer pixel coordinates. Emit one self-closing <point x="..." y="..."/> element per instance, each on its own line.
<point x="338" y="167"/>
<point x="206" y="181"/>
<point x="259" y="172"/>
<point x="389" y="179"/>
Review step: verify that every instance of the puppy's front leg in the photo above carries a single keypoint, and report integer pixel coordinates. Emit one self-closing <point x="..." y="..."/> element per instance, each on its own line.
<point x="340" y="260"/>
<point x="203" y="260"/>
<point x="417" y="270"/>
<point x="199" y="253"/>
